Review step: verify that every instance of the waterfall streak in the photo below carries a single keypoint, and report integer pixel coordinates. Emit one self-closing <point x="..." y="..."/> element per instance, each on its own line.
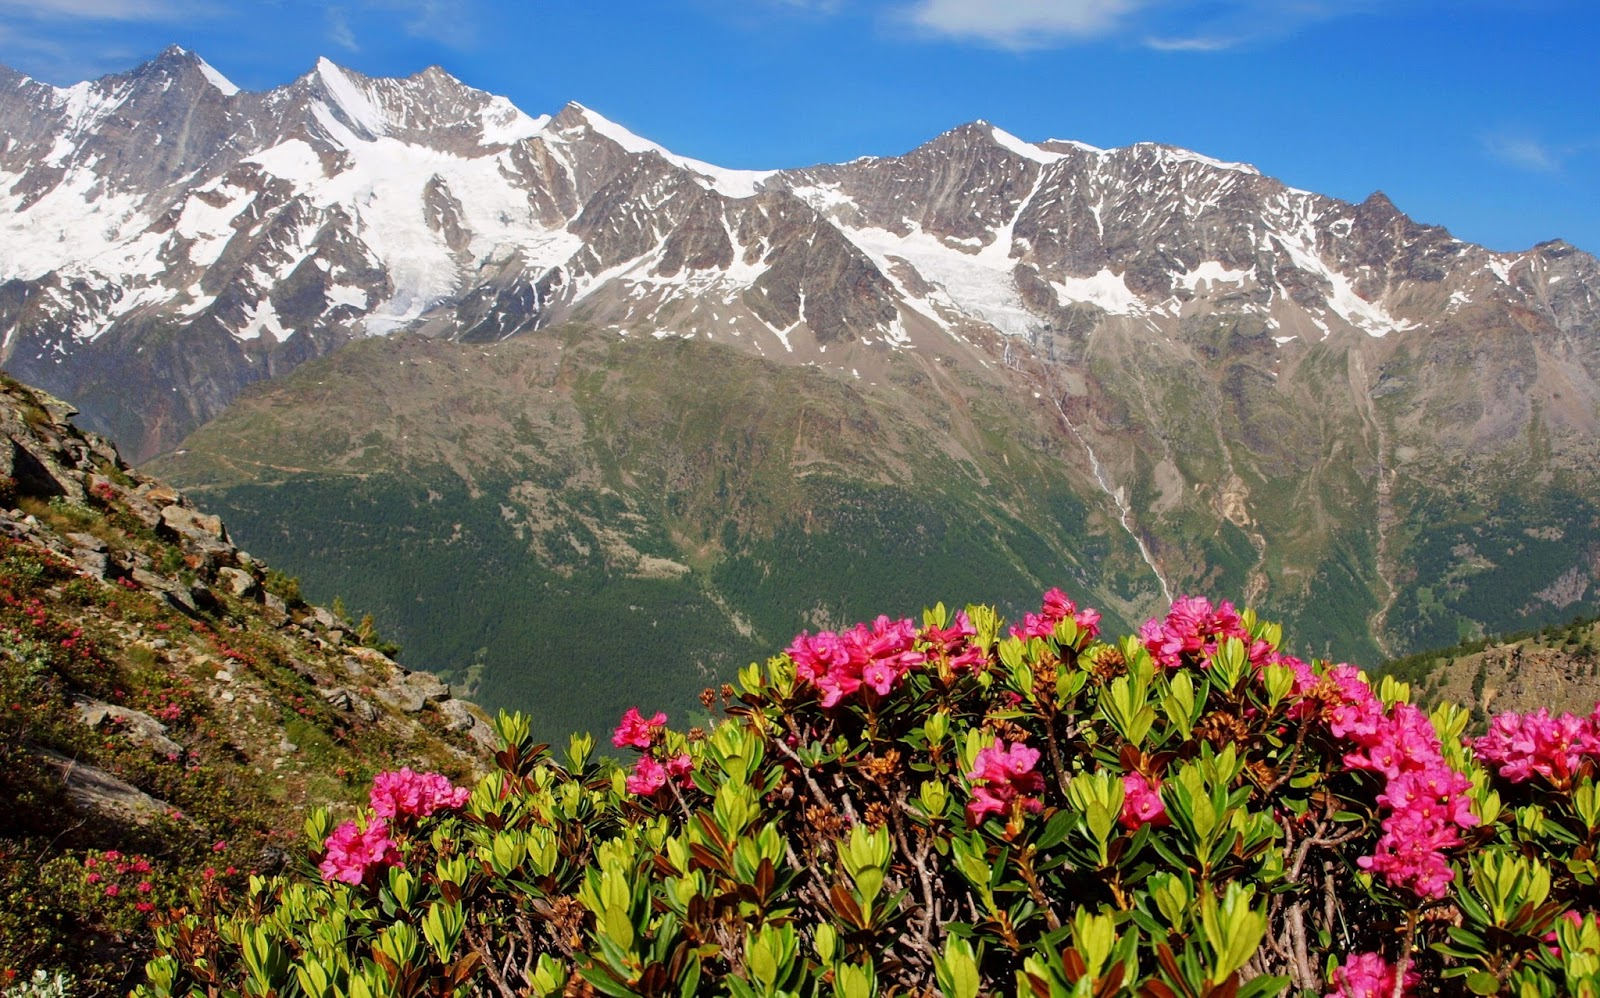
<point x="1116" y="494"/>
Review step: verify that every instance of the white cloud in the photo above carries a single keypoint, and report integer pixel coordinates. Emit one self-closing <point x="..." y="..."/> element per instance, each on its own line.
<point x="105" y="10"/>
<point x="1198" y="44"/>
<point x="448" y="21"/>
<point x="339" y="30"/>
<point x="1524" y="152"/>
<point x="1161" y="25"/>
<point x="1022" y="23"/>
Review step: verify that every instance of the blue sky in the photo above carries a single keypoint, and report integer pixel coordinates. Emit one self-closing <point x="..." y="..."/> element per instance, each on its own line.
<point x="1480" y="115"/>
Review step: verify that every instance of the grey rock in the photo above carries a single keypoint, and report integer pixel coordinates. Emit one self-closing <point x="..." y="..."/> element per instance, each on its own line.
<point x="402" y="698"/>
<point x="86" y="542"/>
<point x="238" y="582"/>
<point x="141" y="728"/>
<point x="427" y="685"/>
<point x="274" y="610"/>
<point x="94" y="563"/>
<point x="96" y="791"/>
<point x="338" y="698"/>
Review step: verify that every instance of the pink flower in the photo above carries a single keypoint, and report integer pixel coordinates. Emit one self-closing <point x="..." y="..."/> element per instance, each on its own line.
<point x="951" y="644"/>
<point x="93" y="878"/>
<point x="145" y="887"/>
<point x="1536" y="743"/>
<point x="1141" y="803"/>
<point x="407" y="794"/>
<point x="839" y="665"/>
<point x="354" y="852"/>
<point x="681" y="768"/>
<point x="1007" y="775"/>
<point x="1369" y="975"/>
<point x="1426" y="800"/>
<point x="648" y="776"/>
<point x="1194" y="628"/>
<point x="636" y="731"/>
<point x="112" y="890"/>
<point x="1056" y="607"/>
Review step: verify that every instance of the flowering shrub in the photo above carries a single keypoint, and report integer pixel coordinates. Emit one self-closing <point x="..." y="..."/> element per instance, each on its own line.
<point x="962" y="807"/>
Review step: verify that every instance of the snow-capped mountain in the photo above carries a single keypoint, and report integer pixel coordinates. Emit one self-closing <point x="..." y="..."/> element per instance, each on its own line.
<point x="1247" y="379"/>
<point x="165" y="230"/>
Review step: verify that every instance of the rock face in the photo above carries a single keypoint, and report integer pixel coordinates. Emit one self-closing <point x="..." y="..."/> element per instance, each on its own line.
<point x="171" y="705"/>
<point x="47" y="457"/>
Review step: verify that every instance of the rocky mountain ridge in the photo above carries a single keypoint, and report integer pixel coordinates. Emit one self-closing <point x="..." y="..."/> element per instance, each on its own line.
<point x="1270" y="393"/>
<point x="172" y="705"/>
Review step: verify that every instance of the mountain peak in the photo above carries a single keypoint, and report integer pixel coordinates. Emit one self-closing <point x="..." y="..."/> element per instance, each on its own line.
<point x="344" y="90"/>
<point x="179" y="61"/>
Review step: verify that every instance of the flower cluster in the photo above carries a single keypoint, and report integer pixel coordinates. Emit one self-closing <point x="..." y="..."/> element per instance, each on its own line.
<point x="407" y="794"/>
<point x="354" y="852"/>
<point x="1194" y="627"/>
<point x="1521" y="745"/>
<point x="841" y="664"/>
<point x="637" y="732"/>
<point x="1427" y="800"/>
<point x="1002" y="777"/>
<point x="1057" y="606"/>
<point x="1141" y="803"/>
<point x="650" y="773"/>
<point x="1369" y="975"/>
<point x="951" y="647"/>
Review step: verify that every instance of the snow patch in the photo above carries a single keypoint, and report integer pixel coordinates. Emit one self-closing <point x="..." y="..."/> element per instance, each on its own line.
<point x="1026" y="150"/>
<point x="732" y="183"/>
<point x="1105" y="290"/>
<point x="294" y="161"/>
<point x="216" y="79"/>
<point x="504" y="123"/>
<point x="1213" y="272"/>
<point x="351" y="99"/>
<point x="1172" y="154"/>
<point x="344" y="294"/>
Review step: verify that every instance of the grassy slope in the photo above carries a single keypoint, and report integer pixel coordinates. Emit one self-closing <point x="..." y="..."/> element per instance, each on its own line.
<point x="595" y="523"/>
<point x="256" y="748"/>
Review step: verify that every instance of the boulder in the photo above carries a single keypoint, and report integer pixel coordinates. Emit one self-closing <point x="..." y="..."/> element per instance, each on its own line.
<point x="96" y="791"/>
<point x="141" y="728"/>
<point x="238" y="582"/>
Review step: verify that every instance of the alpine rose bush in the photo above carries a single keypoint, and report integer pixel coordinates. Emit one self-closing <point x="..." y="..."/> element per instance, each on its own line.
<point x="405" y="794"/>
<point x="354" y="852"/>
<point x="961" y="806"/>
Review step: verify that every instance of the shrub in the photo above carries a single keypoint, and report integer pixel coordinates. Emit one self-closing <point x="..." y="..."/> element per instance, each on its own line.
<point x="962" y="808"/>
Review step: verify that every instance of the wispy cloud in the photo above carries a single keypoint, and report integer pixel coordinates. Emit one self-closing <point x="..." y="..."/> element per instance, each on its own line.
<point x="339" y="30"/>
<point x="1525" y="152"/>
<point x="451" y="22"/>
<point x="105" y="10"/>
<point x="1022" y="24"/>
<point x="1196" y="44"/>
<point x="1161" y="25"/>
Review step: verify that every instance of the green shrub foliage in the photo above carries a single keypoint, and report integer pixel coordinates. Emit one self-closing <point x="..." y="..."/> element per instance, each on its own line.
<point x="960" y="808"/>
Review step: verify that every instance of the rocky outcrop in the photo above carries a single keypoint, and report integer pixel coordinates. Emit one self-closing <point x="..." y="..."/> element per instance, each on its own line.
<point x="42" y="455"/>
